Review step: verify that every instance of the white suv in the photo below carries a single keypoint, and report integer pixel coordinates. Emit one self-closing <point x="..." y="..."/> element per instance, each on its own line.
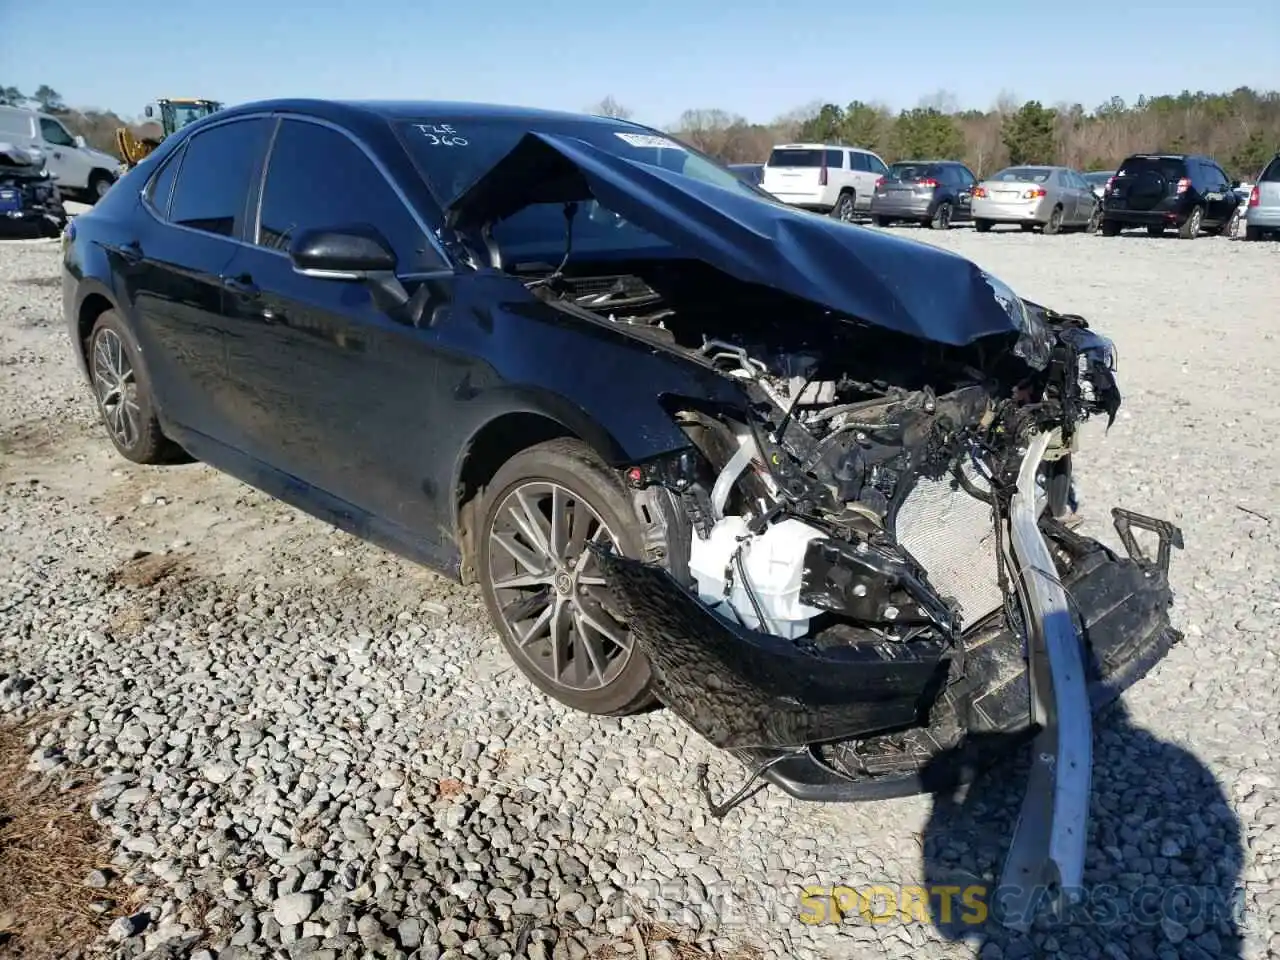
<point x="830" y="179"/>
<point x="80" y="168"/>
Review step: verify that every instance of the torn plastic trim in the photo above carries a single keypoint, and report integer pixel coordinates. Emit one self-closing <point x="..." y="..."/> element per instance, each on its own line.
<point x="1047" y="850"/>
<point x="740" y="688"/>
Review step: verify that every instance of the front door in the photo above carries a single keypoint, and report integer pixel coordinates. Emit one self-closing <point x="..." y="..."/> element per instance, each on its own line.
<point x="173" y="270"/>
<point x="62" y="155"/>
<point x="331" y="390"/>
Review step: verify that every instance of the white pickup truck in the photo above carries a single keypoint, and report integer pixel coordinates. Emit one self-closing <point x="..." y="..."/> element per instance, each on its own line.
<point x="82" y="171"/>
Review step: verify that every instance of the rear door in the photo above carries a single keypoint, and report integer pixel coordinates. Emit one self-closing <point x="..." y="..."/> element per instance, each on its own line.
<point x="966" y="182"/>
<point x="332" y="391"/>
<point x="1146" y="183"/>
<point x="1219" y="199"/>
<point x="1069" y="196"/>
<point x="174" y="266"/>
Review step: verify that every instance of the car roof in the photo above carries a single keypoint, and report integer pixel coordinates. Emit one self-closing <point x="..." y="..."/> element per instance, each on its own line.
<point x="820" y="146"/>
<point x="409" y="110"/>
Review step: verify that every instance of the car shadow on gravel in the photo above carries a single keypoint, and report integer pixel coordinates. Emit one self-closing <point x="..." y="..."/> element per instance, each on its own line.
<point x="1163" y="871"/>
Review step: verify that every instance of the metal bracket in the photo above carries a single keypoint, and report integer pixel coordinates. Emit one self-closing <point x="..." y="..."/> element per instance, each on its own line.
<point x="1046" y="854"/>
<point x="745" y="792"/>
<point x="1170" y="536"/>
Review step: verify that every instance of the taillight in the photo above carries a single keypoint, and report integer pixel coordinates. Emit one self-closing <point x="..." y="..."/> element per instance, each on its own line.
<point x="1184" y="184"/>
<point x="1033" y="194"/>
<point x="979" y="191"/>
<point x="1110" y="181"/>
<point x="822" y="176"/>
<point x="927" y="182"/>
<point x="880" y="181"/>
<point x="1255" y="197"/>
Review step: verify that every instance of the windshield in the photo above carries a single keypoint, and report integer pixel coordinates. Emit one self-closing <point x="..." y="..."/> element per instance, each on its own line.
<point x="452" y="152"/>
<point x="1024" y="174"/>
<point x="1098" y="177"/>
<point x="185" y="113"/>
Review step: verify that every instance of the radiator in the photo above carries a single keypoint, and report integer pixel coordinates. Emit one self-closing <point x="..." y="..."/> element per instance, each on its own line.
<point x="950" y="534"/>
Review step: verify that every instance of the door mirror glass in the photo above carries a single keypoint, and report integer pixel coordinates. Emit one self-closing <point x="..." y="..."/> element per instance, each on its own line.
<point x="346" y="253"/>
<point x="80" y="142"/>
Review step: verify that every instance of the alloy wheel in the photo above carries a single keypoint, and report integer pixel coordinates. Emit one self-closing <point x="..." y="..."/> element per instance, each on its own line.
<point x="116" y="386"/>
<point x="550" y="589"/>
<point x="1193" y="227"/>
<point x="844" y="209"/>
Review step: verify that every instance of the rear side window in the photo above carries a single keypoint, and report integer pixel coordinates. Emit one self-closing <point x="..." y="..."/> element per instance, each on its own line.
<point x="161" y="186"/>
<point x="1272" y="173"/>
<point x="835" y="159"/>
<point x="795" y="158"/>
<point x="318" y="178"/>
<point x="213" y="183"/>
<point x="875" y="164"/>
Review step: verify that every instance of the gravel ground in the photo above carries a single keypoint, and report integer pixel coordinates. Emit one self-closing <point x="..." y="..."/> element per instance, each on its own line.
<point x="308" y="748"/>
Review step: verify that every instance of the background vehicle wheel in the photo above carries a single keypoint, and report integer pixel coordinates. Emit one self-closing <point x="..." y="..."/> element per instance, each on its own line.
<point x="982" y="226"/>
<point x="1155" y="231"/>
<point x="1190" y="229"/>
<point x="1095" y="221"/>
<point x="1026" y="227"/>
<point x="941" y="217"/>
<point x="883" y="221"/>
<point x="1110" y="228"/>
<point x="124" y="394"/>
<point x="1055" y="222"/>
<point x="544" y="589"/>
<point x="99" y="184"/>
<point x="843" y="210"/>
<point x="1252" y="233"/>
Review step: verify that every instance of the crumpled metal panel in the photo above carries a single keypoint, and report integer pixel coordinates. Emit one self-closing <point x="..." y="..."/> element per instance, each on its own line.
<point x="951" y="533"/>
<point x="861" y="273"/>
<point x="743" y="689"/>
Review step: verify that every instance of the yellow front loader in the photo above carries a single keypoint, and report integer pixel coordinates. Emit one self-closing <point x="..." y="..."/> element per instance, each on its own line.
<point x="174" y="114"/>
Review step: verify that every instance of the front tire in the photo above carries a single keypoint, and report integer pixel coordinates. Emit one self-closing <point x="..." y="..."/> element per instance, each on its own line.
<point x="99" y="184"/>
<point x="883" y="221"/>
<point x="124" y="395"/>
<point x="982" y="226"/>
<point x="544" y="589"/>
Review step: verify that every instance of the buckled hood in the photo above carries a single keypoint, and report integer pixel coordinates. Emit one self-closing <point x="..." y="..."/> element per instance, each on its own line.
<point x="860" y="274"/>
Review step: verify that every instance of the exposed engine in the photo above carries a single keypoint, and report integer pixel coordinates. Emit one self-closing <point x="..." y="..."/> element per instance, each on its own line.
<point x="866" y="480"/>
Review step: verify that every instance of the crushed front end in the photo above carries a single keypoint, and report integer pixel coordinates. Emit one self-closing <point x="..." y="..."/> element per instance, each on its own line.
<point x="866" y="588"/>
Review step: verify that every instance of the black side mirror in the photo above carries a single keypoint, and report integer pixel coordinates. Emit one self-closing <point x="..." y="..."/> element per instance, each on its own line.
<point x="347" y="253"/>
<point x="352" y="253"/>
<point x="1235" y="184"/>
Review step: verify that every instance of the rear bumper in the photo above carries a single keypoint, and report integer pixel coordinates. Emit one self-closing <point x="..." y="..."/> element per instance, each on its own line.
<point x="907" y="207"/>
<point x="1268" y="217"/>
<point x="1144" y="218"/>
<point x="1000" y="212"/>
<point x="806" y="201"/>
<point x="879" y="720"/>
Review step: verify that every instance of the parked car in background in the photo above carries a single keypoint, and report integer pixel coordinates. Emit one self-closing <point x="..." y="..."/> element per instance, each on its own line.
<point x="935" y="193"/>
<point x="1098" y="180"/>
<point x="1262" y="212"/>
<point x="838" y="180"/>
<point x="81" y="171"/>
<point x="752" y="173"/>
<point x="1051" y="198"/>
<point x="1186" y="192"/>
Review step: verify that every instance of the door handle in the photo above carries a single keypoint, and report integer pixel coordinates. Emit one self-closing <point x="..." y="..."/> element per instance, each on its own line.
<point x="130" y="252"/>
<point x="242" y="286"/>
<point x="57" y="154"/>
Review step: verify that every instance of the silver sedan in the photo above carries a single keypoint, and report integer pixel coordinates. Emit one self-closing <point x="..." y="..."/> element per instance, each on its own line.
<point x="1053" y="198"/>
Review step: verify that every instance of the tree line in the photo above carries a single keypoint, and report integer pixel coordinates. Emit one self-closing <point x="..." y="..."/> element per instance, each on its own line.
<point x="1240" y="129"/>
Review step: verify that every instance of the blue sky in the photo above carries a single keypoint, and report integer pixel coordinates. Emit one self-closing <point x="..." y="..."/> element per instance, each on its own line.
<point x="659" y="57"/>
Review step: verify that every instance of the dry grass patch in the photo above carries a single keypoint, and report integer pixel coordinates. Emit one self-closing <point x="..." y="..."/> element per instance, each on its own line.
<point x="48" y="846"/>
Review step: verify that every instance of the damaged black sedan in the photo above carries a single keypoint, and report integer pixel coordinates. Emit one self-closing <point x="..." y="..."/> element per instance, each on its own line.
<point x="801" y="482"/>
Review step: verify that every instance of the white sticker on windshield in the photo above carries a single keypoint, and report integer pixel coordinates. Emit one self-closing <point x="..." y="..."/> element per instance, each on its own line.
<point x="649" y="140"/>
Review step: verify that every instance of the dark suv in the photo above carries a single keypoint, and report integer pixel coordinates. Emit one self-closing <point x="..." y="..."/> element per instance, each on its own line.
<point x="1158" y="191"/>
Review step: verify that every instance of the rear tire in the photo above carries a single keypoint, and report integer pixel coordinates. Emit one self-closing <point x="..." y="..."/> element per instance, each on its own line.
<point x="1155" y="231"/>
<point x="99" y="184"/>
<point x="1252" y="233"/>
<point x="587" y="660"/>
<point x="844" y="208"/>
<point x="941" y="219"/>
<point x="1190" y="228"/>
<point x="124" y="396"/>
<point x="982" y="226"/>
<point x="1110" y="228"/>
<point x="883" y="221"/>
<point x="1055" y="222"/>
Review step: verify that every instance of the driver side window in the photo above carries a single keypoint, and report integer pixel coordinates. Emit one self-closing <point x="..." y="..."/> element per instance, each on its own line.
<point x="55" y="133"/>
